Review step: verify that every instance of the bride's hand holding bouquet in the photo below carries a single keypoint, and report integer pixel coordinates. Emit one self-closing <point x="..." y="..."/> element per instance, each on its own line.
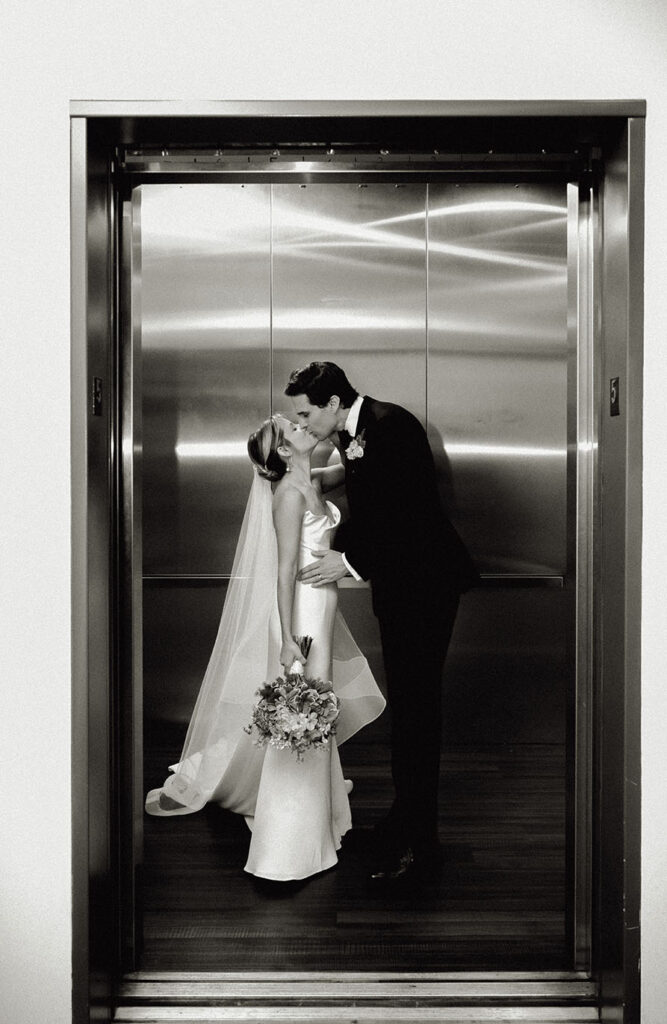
<point x="295" y="712"/>
<point x="291" y="654"/>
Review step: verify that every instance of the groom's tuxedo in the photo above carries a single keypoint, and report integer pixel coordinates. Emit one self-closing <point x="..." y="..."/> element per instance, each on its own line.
<point x="399" y="538"/>
<point x="398" y="535"/>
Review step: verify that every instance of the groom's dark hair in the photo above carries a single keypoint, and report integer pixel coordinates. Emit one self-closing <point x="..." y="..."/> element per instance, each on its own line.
<point x="319" y="381"/>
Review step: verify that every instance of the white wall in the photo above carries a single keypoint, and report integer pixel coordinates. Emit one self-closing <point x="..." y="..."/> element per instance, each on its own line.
<point x="217" y="49"/>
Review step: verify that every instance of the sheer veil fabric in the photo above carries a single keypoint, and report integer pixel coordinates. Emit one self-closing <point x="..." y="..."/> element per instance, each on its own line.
<point x="245" y="654"/>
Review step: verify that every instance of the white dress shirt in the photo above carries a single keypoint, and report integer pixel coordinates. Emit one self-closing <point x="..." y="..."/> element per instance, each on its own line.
<point x="352" y="420"/>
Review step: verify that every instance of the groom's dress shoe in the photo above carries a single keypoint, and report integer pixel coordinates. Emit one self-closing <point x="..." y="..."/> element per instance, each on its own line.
<point x="407" y="864"/>
<point x="392" y="867"/>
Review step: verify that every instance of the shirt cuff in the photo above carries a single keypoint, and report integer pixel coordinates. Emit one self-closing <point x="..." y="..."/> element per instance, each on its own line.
<point x="349" y="568"/>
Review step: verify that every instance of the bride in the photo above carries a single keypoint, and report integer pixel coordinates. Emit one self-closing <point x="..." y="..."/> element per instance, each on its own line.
<point x="297" y="811"/>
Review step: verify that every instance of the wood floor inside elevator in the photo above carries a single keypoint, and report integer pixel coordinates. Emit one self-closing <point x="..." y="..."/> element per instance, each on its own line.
<point x="499" y="905"/>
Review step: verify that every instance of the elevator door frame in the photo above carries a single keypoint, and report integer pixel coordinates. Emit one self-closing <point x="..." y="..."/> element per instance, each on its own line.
<point x="103" y="656"/>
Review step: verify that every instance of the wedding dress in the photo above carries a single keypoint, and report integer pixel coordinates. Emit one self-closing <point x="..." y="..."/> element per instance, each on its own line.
<point x="297" y="810"/>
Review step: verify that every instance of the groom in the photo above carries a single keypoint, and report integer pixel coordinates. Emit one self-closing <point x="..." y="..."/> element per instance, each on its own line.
<point x="399" y="538"/>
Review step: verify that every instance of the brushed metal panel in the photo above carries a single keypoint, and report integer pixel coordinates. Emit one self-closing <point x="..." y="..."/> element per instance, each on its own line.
<point x="505" y="678"/>
<point x="583" y="225"/>
<point x="204" y="321"/>
<point x="180" y="626"/>
<point x="618" y="575"/>
<point x="131" y="608"/>
<point x="349" y="286"/>
<point x="91" y="648"/>
<point x="497" y="368"/>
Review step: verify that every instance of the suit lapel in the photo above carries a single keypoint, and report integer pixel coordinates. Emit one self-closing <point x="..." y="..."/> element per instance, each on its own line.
<point x="365" y="414"/>
<point x="366" y="418"/>
<point x="343" y="440"/>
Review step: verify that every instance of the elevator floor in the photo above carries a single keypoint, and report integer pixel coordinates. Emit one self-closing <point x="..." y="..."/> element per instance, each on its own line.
<point x="500" y="904"/>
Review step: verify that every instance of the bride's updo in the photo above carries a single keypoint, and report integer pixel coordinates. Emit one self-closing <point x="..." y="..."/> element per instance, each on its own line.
<point x="262" y="449"/>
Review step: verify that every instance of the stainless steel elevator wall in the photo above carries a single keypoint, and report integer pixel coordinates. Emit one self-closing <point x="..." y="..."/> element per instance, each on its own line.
<point x="497" y="368"/>
<point x="205" y="336"/>
<point x="350" y="286"/>
<point x="450" y="300"/>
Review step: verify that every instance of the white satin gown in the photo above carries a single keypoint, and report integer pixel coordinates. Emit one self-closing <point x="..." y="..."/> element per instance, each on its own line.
<point x="298" y="811"/>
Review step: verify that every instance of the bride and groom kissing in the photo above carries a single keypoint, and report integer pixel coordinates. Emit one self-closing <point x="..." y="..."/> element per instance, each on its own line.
<point x="291" y="552"/>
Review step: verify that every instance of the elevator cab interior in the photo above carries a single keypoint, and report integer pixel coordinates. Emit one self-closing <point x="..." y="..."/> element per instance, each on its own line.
<point x="451" y="299"/>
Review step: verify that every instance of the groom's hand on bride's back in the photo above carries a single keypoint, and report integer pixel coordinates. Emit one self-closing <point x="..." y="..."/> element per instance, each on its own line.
<point x="328" y="567"/>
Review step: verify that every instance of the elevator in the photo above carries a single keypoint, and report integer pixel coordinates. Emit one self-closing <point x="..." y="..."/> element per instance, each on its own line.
<point x="451" y="299"/>
<point x="466" y="285"/>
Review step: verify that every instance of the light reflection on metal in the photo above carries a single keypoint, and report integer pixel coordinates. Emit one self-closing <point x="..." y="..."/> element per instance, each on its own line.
<point x="320" y="231"/>
<point x="368" y="239"/>
<point x="505" y="451"/>
<point x="212" y="450"/>
<point x="346" y="294"/>
<point x="203" y="248"/>
<point x="199" y="219"/>
<point x="497" y="366"/>
<point x="238" y="449"/>
<point x="202" y="225"/>
<point x="289" y="319"/>
<point x="463" y="209"/>
<point x="158" y="326"/>
<point x="248" y="283"/>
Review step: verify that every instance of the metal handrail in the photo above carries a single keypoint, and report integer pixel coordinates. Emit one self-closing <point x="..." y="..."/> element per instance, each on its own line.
<point x="487" y="580"/>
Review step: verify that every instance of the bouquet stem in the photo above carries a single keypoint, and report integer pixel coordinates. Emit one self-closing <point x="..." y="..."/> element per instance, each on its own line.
<point x="304" y="643"/>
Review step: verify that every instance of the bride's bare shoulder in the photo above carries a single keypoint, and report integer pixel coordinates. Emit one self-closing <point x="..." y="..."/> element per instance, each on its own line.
<point x="288" y="499"/>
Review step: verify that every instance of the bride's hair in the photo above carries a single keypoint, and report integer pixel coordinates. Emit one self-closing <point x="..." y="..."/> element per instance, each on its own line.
<point x="262" y="449"/>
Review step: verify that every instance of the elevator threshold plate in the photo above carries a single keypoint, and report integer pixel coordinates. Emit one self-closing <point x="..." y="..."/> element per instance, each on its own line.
<point x="357" y="1015"/>
<point x="548" y="998"/>
<point x="335" y="992"/>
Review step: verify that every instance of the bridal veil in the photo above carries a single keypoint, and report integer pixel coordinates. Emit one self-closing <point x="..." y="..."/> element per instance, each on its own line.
<point x="246" y="654"/>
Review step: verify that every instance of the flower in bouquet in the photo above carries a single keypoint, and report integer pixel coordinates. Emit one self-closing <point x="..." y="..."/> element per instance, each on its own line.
<point x="295" y="712"/>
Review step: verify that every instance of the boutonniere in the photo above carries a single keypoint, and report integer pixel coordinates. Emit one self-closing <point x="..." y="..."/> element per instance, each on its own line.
<point x="355" y="449"/>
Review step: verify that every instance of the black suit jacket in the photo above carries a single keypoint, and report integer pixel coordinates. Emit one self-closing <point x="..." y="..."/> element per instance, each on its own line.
<point x="398" y="535"/>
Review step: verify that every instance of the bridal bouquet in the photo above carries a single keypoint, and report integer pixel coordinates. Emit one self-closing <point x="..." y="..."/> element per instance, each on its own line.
<point x="295" y="712"/>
